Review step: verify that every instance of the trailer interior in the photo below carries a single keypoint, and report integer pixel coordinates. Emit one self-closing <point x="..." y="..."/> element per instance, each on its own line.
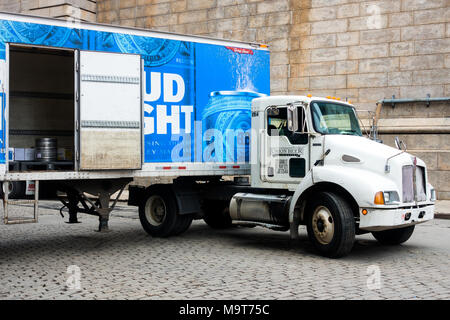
<point x="41" y="105"/>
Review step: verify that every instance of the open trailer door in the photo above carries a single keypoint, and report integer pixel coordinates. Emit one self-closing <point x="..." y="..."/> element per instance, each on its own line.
<point x="109" y="111"/>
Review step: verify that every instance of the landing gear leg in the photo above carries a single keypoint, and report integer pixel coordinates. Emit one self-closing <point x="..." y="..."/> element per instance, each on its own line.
<point x="73" y="198"/>
<point x="103" y="212"/>
<point x="76" y="195"/>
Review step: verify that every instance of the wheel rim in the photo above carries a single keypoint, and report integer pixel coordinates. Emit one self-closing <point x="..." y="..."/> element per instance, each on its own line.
<point x="155" y="210"/>
<point x="7" y="187"/>
<point x="323" y="225"/>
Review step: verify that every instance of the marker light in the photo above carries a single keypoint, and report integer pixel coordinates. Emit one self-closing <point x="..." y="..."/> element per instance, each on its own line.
<point x="364" y="211"/>
<point x="309" y="95"/>
<point x="433" y="195"/>
<point x="379" y="198"/>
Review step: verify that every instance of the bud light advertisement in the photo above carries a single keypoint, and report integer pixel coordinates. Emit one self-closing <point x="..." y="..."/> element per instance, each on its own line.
<point x="196" y="96"/>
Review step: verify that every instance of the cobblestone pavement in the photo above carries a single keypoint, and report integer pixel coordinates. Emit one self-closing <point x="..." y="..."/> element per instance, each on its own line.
<point x="241" y="263"/>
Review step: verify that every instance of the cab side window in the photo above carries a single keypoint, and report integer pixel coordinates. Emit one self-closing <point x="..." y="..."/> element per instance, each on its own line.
<point x="277" y="126"/>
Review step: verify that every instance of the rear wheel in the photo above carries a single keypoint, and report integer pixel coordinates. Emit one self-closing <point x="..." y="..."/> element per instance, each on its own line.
<point x="330" y="225"/>
<point x="217" y="215"/>
<point x="184" y="223"/>
<point x="15" y="189"/>
<point x="394" y="236"/>
<point x="158" y="213"/>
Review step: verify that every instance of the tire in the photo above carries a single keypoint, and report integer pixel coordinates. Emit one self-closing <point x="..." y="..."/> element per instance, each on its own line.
<point x="184" y="223"/>
<point x="16" y="189"/>
<point x="158" y="212"/>
<point x="330" y="225"/>
<point x="394" y="236"/>
<point x="217" y="215"/>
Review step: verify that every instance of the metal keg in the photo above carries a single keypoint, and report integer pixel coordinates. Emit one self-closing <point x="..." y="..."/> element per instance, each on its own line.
<point x="46" y="149"/>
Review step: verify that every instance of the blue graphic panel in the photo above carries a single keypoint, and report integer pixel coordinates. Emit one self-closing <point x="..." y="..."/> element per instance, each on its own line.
<point x="227" y="81"/>
<point x="197" y="96"/>
<point x="3" y="125"/>
<point x="168" y="108"/>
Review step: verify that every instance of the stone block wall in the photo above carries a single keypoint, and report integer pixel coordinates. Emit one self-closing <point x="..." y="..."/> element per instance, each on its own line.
<point x="426" y="132"/>
<point x="77" y="10"/>
<point x="369" y="50"/>
<point x="248" y="20"/>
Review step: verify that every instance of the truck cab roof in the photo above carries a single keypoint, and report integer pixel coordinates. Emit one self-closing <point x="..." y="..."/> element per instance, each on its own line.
<point x="260" y="104"/>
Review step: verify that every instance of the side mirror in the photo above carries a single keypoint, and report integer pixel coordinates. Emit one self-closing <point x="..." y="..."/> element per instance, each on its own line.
<point x="292" y="118"/>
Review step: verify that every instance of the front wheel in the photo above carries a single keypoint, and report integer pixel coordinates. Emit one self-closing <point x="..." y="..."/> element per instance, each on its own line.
<point x="330" y="224"/>
<point x="394" y="236"/>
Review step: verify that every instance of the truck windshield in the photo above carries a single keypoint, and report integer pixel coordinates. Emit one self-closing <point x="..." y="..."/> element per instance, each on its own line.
<point x="334" y="118"/>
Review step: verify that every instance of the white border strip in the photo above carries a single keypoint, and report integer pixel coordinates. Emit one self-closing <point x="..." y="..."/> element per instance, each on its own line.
<point x="148" y="170"/>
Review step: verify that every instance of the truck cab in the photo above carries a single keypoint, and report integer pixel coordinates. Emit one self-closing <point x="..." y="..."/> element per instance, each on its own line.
<point x="342" y="182"/>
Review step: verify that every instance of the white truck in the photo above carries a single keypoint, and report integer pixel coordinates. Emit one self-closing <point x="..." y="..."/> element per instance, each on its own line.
<point x="133" y="104"/>
<point x="310" y="165"/>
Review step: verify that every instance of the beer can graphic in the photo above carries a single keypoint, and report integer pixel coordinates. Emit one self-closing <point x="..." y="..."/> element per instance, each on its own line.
<point x="228" y="114"/>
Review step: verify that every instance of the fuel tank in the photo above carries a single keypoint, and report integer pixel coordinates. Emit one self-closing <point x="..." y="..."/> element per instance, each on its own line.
<point x="272" y="209"/>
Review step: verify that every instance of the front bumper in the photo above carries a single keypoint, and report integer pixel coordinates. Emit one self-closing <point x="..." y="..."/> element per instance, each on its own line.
<point x="384" y="219"/>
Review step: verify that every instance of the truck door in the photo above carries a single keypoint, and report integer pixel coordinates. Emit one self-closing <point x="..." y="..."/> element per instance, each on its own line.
<point x="109" y="118"/>
<point x="285" y="156"/>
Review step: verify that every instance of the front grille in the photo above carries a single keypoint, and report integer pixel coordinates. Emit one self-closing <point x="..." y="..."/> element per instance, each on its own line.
<point x="413" y="183"/>
<point x="421" y="184"/>
<point x="408" y="183"/>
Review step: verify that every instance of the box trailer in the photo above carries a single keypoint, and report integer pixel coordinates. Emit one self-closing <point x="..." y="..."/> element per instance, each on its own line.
<point x="123" y="102"/>
<point x="133" y="104"/>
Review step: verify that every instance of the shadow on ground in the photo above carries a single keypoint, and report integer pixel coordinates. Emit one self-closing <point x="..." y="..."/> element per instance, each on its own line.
<point x="82" y="239"/>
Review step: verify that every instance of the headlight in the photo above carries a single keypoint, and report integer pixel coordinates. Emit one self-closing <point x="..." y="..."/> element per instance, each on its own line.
<point x="391" y="197"/>
<point x="386" y="197"/>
